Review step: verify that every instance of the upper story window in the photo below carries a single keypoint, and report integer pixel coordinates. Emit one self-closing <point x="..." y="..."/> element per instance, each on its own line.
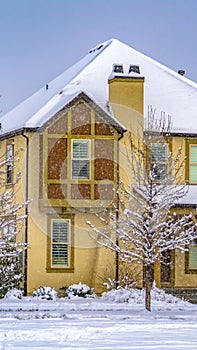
<point x="193" y="164"/>
<point x="80" y="159"/>
<point x="159" y="160"/>
<point x="60" y="242"/>
<point x="9" y="158"/>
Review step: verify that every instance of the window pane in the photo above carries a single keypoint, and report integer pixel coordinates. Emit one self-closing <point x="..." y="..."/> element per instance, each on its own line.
<point x="80" y="169"/>
<point x="9" y="173"/>
<point x="60" y="231"/>
<point x="159" y="152"/>
<point x="194" y="154"/>
<point x="160" y="171"/>
<point x="159" y="161"/>
<point x="9" y="151"/>
<point x="60" y="240"/>
<point x="80" y="149"/>
<point x="193" y="173"/>
<point x="193" y="256"/>
<point x="59" y="254"/>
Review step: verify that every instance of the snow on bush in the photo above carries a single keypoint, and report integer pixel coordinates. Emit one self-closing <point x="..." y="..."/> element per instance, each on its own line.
<point x="122" y="295"/>
<point x="47" y="293"/>
<point x="136" y="296"/>
<point x="79" y="290"/>
<point x="14" y="294"/>
<point x="159" y="295"/>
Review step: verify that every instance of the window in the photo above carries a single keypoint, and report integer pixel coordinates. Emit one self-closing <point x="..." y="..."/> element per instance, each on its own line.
<point x="159" y="161"/>
<point x="60" y="241"/>
<point x="9" y="158"/>
<point x="165" y="272"/>
<point x="9" y="229"/>
<point x="193" y="164"/>
<point x="80" y="159"/>
<point x="193" y="255"/>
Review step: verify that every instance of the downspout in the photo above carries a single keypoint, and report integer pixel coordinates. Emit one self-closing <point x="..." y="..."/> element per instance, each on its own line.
<point x="117" y="214"/>
<point x="117" y="218"/>
<point x="26" y="210"/>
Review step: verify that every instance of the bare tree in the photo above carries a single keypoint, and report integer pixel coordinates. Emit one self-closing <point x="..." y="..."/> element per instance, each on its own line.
<point x="12" y="216"/>
<point x="147" y="225"/>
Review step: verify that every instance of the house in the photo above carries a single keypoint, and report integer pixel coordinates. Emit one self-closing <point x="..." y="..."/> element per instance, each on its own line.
<point x="73" y="134"/>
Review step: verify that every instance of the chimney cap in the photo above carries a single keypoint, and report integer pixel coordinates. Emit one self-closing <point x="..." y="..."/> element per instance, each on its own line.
<point x="135" y="68"/>
<point x="118" y="68"/>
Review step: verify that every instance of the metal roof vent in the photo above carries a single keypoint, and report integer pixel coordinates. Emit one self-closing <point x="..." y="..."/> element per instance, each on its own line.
<point x="181" y="72"/>
<point x="134" y="69"/>
<point x="118" y="68"/>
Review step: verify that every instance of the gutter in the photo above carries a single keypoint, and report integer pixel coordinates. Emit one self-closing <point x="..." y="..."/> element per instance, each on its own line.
<point x="26" y="211"/>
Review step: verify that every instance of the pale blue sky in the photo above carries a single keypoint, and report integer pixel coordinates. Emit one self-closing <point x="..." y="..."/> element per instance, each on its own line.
<point x="41" y="38"/>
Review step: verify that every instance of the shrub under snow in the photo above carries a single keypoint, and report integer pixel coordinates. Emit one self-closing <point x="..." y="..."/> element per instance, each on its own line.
<point x="47" y="293"/>
<point x="14" y="294"/>
<point x="79" y="290"/>
<point x="136" y="296"/>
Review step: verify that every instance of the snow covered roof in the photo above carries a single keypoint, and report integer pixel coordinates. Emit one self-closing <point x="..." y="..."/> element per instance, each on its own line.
<point x="165" y="89"/>
<point x="190" y="198"/>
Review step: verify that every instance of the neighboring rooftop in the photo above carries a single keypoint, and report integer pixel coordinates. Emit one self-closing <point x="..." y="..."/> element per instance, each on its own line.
<point x="165" y="90"/>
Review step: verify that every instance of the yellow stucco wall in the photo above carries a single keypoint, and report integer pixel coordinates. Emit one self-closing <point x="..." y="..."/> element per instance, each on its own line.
<point x="90" y="261"/>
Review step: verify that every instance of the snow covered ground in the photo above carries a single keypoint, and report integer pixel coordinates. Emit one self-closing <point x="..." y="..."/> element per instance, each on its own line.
<point x="98" y="323"/>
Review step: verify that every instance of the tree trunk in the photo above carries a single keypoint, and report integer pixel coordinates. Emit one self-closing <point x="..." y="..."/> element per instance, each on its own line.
<point x="149" y="279"/>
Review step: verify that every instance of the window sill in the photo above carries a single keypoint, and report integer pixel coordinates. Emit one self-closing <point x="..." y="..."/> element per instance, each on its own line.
<point x="190" y="271"/>
<point x="60" y="270"/>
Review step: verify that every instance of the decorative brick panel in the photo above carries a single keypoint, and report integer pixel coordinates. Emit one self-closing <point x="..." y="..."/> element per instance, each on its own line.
<point x="60" y="126"/>
<point x="81" y="120"/>
<point x="57" y="191"/>
<point x="104" y="164"/>
<point x="57" y="167"/>
<point x="104" y="192"/>
<point x="80" y="191"/>
<point x="102" y="128"/>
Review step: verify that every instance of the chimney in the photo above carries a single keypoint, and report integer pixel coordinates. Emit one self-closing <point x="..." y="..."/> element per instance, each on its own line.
<point x="126" y="94"/>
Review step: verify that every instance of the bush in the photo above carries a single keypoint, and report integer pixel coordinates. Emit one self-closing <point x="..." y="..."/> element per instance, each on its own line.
<point x="128" y="276"/>
<point x="119" y="295"/>
<point x="47" y="293"/>
<point x="10" y="272"/>
<point x="14" y="294"/>
<point x="80" y="290"/>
